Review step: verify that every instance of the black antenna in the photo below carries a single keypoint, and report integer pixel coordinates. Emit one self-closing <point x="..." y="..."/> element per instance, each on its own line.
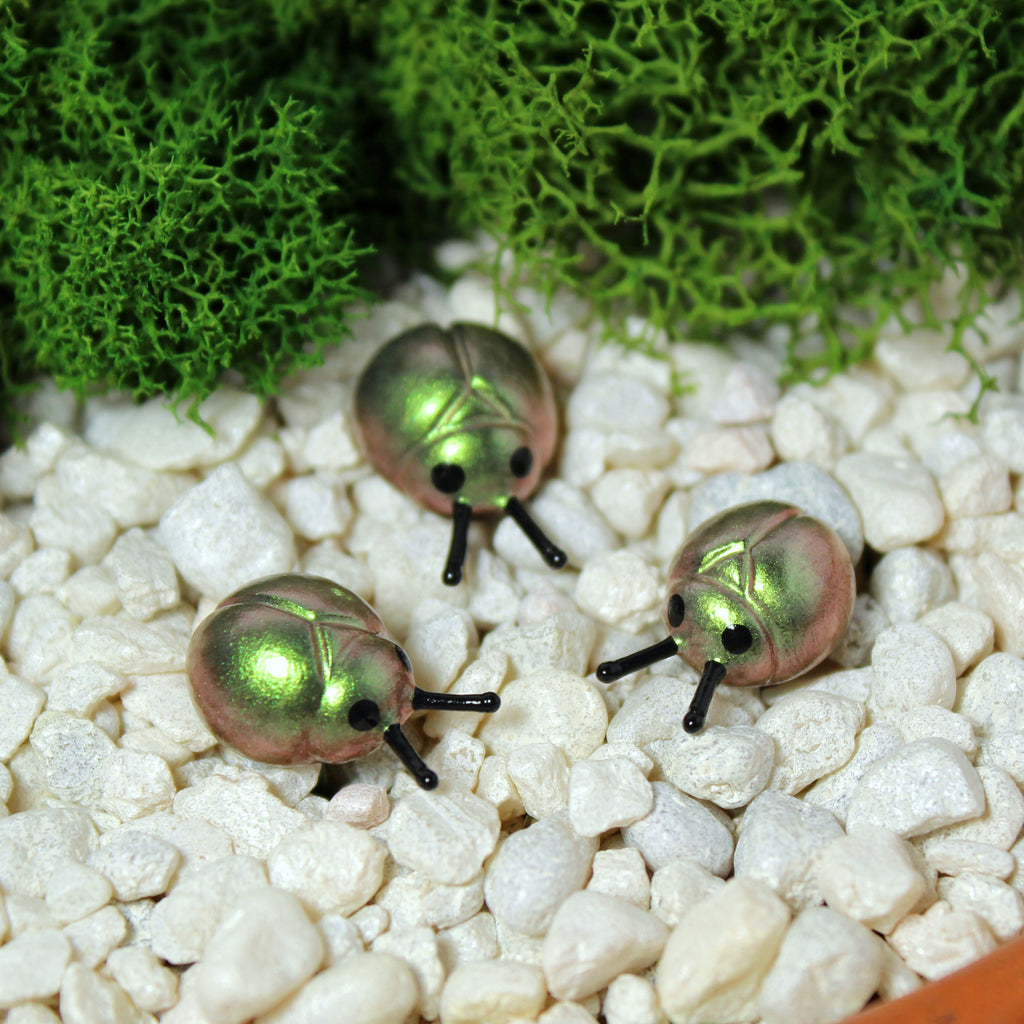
<point x="555" y="557"/>
<point x="452" y="574"/>
<point x="609" y="671"/>
<point x="399" y="743"/>
<point x="426" y="700"/>
<point x="713" y="674"/>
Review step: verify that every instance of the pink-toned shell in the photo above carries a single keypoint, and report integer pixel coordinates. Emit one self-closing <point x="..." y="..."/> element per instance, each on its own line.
<point x="770" y="566"/>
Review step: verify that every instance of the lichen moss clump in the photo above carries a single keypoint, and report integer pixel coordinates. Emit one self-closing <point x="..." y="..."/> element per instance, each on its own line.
<point x="173" y="200"/>
<point x="721" y="164"/>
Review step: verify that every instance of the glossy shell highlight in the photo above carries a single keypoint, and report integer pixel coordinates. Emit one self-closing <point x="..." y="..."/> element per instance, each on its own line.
<point x="276" y="667"/>
<point x="467" y="396"/>
<point x="771" y="567"/>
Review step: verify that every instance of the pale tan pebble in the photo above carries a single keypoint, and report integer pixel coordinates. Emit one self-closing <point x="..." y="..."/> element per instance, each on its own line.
<point x="497" y="992"/>
<point x="34" y="843"/>
<point x="496" y="787"/>
<point x="153" y="436"/>
<point x="31" y="966"/>
<point x="42" y="572"/>
<point x="540" y="774"/>
<point x="144" y="575"/>
<point x="472" y="941"/>
<point x="679" y="826"/>
<point x="93" y="937"/>
<point x="341" y="937"/>
<point x="932" y="721"/>
<point x="814" y="733"/>
<point x="418" y="948"/>
<point x="802" y="432"/>
<point x="6" y="784"/>
<point x="181" y="924"/>
<point x="622" y="874"/>
<point x="869" y="876"/>
<point x="31" y="1013"/>
<point x="908" y="582"/>
<point x="149" y="984"/>
<point x="447" y="836"/>
<point x="967" y="631"/>
<point x="16" y="544"/>
<point x="371" y="921"/>
<point x="86" y="997"/>
<point x="997" y="903"/>
<point x="897" y="979"/>
<point x="439" y="642"/>
<point x="951" y="856"/>
<point x="912" y="667"/>
<point x="921" y="361"/>
<point x="1001" y="535"/>
<point x="89" y="591"/>
<point x="412" y="900"/>
<point x="365" y="988"/>
<point x="923" y="786"/>
<point x="607" y="793"/>
<point x="29" y="776"/>
<point x="594" y="937"/>
<point x="264" y="950"/>
<point x="553" y="706"/>
<point x="568" y="517"/>
<point x="76" y="890"/>
<point x="631" y="999"/>
<point x="639" y="449"/>
<point x="679" y="886"/>
<point x="107" y="717"/>
<point x="627" y="750"/>
<point x="39" y="639"/>
<point x="534" y="871"/>
<point x="628" y="498"/>
<point x="360" y="805"/>
<point x="151" y="740"/>
<point x="977" y="486"/>
<point x="23" y="466"/>
<point x="562" y="639"/>
<point x="941" y="940"/>
<point x="716" y="958"/>
<point x="564" y="1012"/>
<point x="22" y="702"/>
<point x="746" y="449"/>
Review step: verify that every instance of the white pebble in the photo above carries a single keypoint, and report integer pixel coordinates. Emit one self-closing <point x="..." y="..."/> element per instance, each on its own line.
<point x="262" y="952"/>
<point x="72" y="750"/>
<point x="42" y="572"/>
<point x="921" y="361"/>
<point x="963" y="856"/>
<point x="472" y="941"/>
<point x="365" y="988"/>
<point x="827" y="967"/>
<point x="418" y="948"/>
<point x="81" y="687"/>
<point x="896" y="498"/>
<point x="136" y="864"/>
<point x="923" y="786"/>
<point x="222" y="533"/>
<point x="21" y="468"/>
<point x="1002" y="430"/>
<point x="58" y="521"/>
<point x="540" y="775"/>
<point x="932" y="721"/>
<point x="992" y="696"/>
<point x="605" y="401"/>
<point x="912" y="667"/>
<point x="800" y="432"/>
<point x="31" y="966"/>
<point x="165" y="699"/>
<point x="74" y="891"/>
<point x="554" y="706"/>
<point x="679" y="886"/>
<point x="93" y="937"/>
<point x="1003" y="817"/>
<point x="149" y="984"/>
<point x="995" y="902"/>
<point x="593" y="938"/>
<point x="870" y="877"/>
<point x="976" y="486"/>
<point x="814" y="734"/>
<point x="621" y="873"/>
<point x="22" y="703"/>
<point x="122" y="643"/>
<point x="629" y="498"/>
<point x="908" y="582"/>
<point x="496" y="787"/>
<point x="329" y="867"/>
<point x="1000" y="593"/>
<point x="560" y="639"/>
<point x="779" y="844"/>
<point x="315" y="505"/>
<point x="39" y="637"/>
<point x="16" y="544"/>
<point x="942" y="940"/>
<point x="535" y="870"/>
<point x="606" y="794"/>
<point x="35" y="843"/>
<point x="617" y="586"/>
<point x="730" y="450"/>
<point x="144" y="575"/>
<point x="492" y="993"/>
<point x="968" y="632"/>
<point x="447" y="836"/>
<point x="679" y="826"/>
<point x="86" y="998"/>
<point x="438" y="643"/>
<point x="360" y="805"/>
<point x="715" y="960"/>
<point x="631" y="999"/>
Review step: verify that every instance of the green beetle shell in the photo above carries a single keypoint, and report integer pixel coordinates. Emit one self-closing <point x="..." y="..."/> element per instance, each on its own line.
<point x="768" y="567"/>
<point x="278" y="666"/>
<point x="467" y="397"/>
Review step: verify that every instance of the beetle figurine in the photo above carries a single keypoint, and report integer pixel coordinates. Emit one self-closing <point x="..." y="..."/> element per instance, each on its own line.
<point x="757" y="595"/>
<point x="463" y="420"/>
<point x="293" y="669"/>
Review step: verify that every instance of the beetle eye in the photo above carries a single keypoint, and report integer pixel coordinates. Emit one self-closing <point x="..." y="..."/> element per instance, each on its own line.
<point x="404" y="659"/>
<point x="363" y="715"/>
<point x="521" y="462"/>
<point x="737" y="639"/>
<point x="676" y="611"/>
<point x="447" y="478"/>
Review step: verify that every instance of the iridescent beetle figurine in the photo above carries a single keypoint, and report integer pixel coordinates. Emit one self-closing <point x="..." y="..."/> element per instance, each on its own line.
<point x="294" y="669"/>
<point x="757" y="595"/>
<point x="464" y="421"/>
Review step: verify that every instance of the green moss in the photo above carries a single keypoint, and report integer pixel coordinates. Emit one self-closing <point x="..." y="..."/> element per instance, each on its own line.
<point x="171" y="204"/>
<point x="722" y="164"/>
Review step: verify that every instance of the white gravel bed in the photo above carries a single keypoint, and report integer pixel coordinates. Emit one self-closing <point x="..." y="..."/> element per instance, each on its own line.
<point x="583" y="859"/>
